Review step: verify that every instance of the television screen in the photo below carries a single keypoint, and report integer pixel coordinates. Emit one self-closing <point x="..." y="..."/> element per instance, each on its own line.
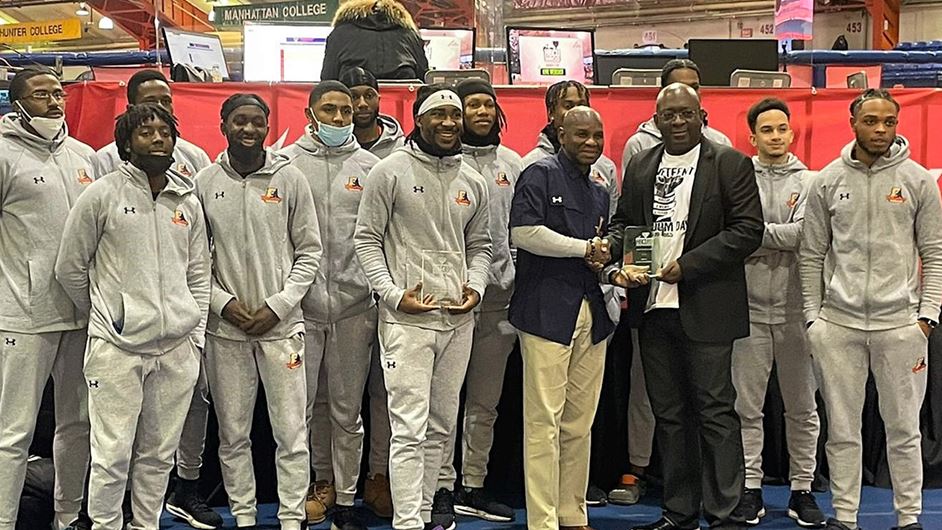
<point x="198" y="49"/>
<point x="449" y="49"/>
<point x="283" y="52"/>
<point x="718" y="58"/>
<point x="540" y="56"/>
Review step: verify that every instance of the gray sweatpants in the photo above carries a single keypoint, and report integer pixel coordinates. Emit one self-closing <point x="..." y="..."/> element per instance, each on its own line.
<point x="136" y="406"/>
<point x="493" y="341"/>
<point x="786" y="345"/>
<point x="424" y="372"/>
<point x="318" y="409"/>
<point x="346" y="347"/>
<point x="380" y="431"/>
<point x="234" y="369"/>
<point x="26" y="362"/>
<point x="193" y="439"/>
<point x="640" y="414"/>
<point x="898" y="359"/>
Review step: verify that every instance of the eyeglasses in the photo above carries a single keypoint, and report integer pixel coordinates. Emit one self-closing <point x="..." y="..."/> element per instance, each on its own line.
<point x="669" y="115"/>
<point x="42" y="95"/>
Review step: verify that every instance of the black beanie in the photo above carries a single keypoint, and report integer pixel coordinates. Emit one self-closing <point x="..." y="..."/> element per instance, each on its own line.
<point x="474" y="86"/>
<point x="357" y="76"/>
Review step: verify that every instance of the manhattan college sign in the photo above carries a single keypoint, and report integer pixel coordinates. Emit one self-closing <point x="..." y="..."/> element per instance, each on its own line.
<point x="297" y="11"/>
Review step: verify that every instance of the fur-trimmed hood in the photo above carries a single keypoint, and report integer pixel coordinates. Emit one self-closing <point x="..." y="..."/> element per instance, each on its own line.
<point x="375" y="14"/>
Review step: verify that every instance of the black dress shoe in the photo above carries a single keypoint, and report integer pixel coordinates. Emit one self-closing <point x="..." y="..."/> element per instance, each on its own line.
<point x="662" y="524"/>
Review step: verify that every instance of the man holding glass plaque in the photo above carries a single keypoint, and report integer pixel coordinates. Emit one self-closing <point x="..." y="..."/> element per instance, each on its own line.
<point x="423" y="239"/>
<point x="557" y="216"/>
<point x="700" y="202"/>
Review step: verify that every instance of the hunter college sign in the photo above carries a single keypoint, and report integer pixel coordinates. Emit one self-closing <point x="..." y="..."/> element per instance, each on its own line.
<point x="299" y="10"/>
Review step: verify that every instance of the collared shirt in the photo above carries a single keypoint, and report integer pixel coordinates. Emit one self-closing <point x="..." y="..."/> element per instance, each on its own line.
<point x="554" y="193"/>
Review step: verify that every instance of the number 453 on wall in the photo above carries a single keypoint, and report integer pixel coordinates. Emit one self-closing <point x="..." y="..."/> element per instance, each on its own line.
<point x="854" y="27"/>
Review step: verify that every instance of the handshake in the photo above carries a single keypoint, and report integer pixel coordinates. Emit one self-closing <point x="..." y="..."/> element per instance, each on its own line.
<point x="597" y="253"/>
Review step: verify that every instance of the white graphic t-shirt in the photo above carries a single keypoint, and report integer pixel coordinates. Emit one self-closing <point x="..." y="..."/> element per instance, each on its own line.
<point x="672" y="187"/>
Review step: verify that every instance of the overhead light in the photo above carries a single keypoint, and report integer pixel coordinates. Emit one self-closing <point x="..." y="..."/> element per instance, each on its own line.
<point x="82" y="11"/>
<point x="212" y="15"/>
<point x="105" y="23"/>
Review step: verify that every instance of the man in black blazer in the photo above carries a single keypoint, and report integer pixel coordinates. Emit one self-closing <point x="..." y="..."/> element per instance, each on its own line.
<point x="700" y="202"/>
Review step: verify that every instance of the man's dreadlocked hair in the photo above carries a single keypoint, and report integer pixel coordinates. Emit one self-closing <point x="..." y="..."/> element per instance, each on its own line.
<point x="872" y="93"/>
<point x="556" y="92"/>
<point x="134" y="117"/>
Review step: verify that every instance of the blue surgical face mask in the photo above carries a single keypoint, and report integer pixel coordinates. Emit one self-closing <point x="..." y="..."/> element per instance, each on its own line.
<point x="333" y="136"/>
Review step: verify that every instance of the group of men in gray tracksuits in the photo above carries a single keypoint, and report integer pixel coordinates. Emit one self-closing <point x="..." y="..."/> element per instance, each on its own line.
<point x="322" y="270"/>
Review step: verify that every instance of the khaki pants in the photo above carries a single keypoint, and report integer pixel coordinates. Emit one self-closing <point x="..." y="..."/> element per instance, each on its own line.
<point x="561" y="386"/>
<point x="898" y="359"/>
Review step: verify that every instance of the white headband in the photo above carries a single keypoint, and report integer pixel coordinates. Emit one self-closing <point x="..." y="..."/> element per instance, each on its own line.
<point x="442" y="98"/>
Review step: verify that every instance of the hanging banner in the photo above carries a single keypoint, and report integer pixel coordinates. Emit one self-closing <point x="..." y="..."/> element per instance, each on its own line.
<point x="296" y="11"/>
<point x="41" y="31"/>
<point x="793" y="19"/>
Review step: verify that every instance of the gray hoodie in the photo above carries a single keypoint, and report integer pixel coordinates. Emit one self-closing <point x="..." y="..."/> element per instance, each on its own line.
<point x="40" y="180"/>
<point x="603" y="172"/>
<point x="415" y="202"/>
<point x="500" y="167"/>
<point x="188" y="158"/>
<point x="865" y="231"/>
<point x="649" y="136"/>
<point x="391" y="137"/>
<point x="265" y="240"/>
<point x="772" y="271"/>
<point x="336" y="176"/>
<point x="141" y="266"/>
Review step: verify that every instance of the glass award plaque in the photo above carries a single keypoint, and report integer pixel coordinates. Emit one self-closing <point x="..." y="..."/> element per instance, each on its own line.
<point x="639" y="246"/>
<point x="443" y="276"/>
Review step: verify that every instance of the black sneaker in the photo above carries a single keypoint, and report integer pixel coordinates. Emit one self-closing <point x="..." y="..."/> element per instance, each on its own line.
<point x="751" y="508"/>
<point x="804" y="510"/>
<point x="477" y="503"/>
<point x="433" y="526"/>
<point x="594" y="496"/>
<point x="346" y="518"/>
<point x="186" y="504"/>
<point x="443" y="510"/>
<point x="834" y="524"/>
<point x="84" y="522"/>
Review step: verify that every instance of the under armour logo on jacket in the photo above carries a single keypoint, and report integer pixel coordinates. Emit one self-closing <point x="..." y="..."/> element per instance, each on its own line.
<point x="10" y="342"/>
<point x="129" y="209"/>
<point x="37" y="180"/>
<point x="220" y="194"/>
<point x="390" y="364"/>
<point x="557" y="200"/>
<point x="418" y="189"/>
<point x="845" y="196"/>
<point x="92" y="383"/>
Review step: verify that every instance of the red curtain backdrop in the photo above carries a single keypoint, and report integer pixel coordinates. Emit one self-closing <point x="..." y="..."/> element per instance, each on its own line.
<point x="820" y="118"/>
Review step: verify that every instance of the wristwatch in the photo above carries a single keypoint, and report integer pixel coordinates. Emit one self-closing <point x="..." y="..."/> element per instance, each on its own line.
<point x="931" y="323"/>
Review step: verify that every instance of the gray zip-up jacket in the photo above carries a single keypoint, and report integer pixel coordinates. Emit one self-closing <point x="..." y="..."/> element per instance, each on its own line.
<point x="500" y="166"/>
<point x="40" y="180"/>
<point x="188" y="158"/>
<point x="649" y="136"/>
<point x="139" y="265"/>
<point x="415" y="202"/>
<point x="265" y="240"/>
<point x="605" y="173"/>
<point x="772" y="271"/>
<point x="336" y="176"/>
<point x="865" y="232"/>
<point x="391" y="138"/>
